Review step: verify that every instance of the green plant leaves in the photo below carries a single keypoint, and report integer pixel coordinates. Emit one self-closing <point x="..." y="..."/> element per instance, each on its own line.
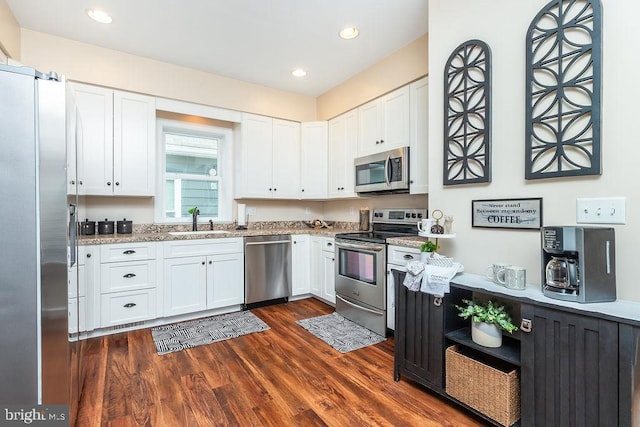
<point x="492" y="313"/>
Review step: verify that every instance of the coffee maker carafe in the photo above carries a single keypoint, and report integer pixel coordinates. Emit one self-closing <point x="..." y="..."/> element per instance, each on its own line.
<point x="578" y="263"/>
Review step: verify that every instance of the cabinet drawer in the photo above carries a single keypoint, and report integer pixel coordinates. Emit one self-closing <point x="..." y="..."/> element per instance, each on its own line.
<point x="400" y="256"/>
<point x="128" y="252"/>
<point x="127" y="276"/>
<point x="77" y="281"/>
<point x="127" y="307"/>
<point x="328" y="244"/>
<point x="182" y="248"/>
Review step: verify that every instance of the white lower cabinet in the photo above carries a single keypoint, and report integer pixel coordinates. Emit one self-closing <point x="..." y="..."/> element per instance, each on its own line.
<point x="323" y="268"/>
<point x="206" y="274"/>
<point x="128" y="283"/>
<point x="83" y="279"/>
<point x="301" y="264"/>
<point x="397" y="259"/>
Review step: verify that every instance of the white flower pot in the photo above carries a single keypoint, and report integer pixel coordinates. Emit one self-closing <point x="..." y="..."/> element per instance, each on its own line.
<point x="424" y="256"/>
<point x="485" y="334"/>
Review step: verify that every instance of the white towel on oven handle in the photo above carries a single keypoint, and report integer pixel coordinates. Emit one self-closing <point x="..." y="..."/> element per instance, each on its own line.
<point x="413" y="278"/>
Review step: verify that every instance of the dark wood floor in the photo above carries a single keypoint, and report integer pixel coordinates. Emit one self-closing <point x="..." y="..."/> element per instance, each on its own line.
<point x="281" y="377"/>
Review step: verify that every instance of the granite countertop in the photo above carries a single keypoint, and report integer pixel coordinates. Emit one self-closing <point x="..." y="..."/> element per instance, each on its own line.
<point x="159" y="233"/>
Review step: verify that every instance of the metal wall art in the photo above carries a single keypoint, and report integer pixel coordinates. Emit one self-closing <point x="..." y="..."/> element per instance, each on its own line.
<point x="467" y="118"/>
<point x="563" y="85"/>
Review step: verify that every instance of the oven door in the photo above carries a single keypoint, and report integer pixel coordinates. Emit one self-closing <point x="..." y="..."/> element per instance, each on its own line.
<point x="360" y="272"/>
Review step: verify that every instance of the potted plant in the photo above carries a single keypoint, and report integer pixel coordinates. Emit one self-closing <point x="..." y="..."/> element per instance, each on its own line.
<point x="427" y="249"/>
<point x="488" y="320"/>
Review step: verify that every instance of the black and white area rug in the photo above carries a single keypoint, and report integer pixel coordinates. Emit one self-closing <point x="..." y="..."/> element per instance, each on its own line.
<point x="178" y="336"/>
<point x="340" y="333"/>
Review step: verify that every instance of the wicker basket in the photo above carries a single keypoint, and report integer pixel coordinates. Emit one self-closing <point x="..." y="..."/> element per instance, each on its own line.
<point x="488" y="390"/>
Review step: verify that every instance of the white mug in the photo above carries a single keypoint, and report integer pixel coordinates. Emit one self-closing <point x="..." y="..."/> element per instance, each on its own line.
<point x="425" y="225"/>
<point x="513" y="277"/>
<point x="494" y="269"/>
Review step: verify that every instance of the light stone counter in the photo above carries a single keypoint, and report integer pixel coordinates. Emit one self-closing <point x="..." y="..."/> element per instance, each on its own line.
<point x="158" y="233"/>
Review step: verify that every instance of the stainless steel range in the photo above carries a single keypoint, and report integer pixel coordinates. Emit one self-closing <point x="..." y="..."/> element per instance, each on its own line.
<point x="361" y="286"/>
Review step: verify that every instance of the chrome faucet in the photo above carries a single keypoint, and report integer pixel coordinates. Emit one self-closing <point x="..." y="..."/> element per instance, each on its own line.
<point x="194" y="217"/>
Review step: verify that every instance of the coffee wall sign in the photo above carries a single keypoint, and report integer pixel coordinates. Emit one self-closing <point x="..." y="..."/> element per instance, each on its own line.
<point x="507" y="213"/>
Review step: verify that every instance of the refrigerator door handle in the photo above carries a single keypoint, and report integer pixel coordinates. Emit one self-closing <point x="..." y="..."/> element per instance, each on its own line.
<point x="72" y="234"/>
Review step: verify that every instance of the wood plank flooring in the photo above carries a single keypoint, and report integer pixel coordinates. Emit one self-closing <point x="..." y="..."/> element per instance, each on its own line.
<point x="280" y="377"/>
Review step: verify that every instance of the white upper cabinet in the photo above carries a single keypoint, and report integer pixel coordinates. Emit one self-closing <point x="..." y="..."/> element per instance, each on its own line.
<point x="383" y="124"/>
<point x="286" y="159"/>
<point x="134" y="141"/>
<point x="419" y="136"/>
<point x="268" y="158"/>
<point x="343" y="134"/>
<point x="313" y="160"/>
<point x="116" y="153"/>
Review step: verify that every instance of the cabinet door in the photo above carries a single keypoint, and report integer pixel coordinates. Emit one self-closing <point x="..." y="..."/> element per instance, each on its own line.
<point x="225" y="280"/>
<point x="134" y="130"/>
<point x="301" y="264"/>
<point x="255" y="179"/>
<point x="343" y="136"/>
<point x="629" y="376"/>
<point x="286" y="159"/>
<point x="315" y="252"/>
<point x="185" y="285"/>
<point x="95" y="150"/>
<point x="394" y="108"/>
<point x="569" y="369"/>
<point x="419" y="137"/>
<point x="419" y="335"/>
<point x="313" y="160"/>
<point x="329" y="276"/>
<point x="369" y="128"/>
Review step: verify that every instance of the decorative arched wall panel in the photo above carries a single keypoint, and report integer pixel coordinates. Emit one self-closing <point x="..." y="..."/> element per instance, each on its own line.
<point x="467" y="118"/>
<point x="563" y="90"/>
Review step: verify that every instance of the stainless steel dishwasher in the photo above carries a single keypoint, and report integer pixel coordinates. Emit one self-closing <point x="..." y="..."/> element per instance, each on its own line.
<point x="267" y="270"/>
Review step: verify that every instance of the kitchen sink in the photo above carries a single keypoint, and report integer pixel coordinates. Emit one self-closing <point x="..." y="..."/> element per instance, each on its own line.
<point x="190" y="233"/>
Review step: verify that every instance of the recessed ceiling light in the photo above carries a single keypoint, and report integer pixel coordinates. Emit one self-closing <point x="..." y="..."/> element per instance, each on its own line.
<point x="349" y="33"/>
<point x="100" y="16"/>
<point x="299" y="72"/>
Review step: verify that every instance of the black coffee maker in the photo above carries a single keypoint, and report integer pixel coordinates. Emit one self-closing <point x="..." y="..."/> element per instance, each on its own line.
<point x="578" y="263"/>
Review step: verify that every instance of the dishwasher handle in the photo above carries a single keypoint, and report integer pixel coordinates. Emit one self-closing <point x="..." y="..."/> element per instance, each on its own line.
<point x="269" y="242"/>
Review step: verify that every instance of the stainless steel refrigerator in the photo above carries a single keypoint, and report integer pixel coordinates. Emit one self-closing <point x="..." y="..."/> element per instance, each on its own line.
<point x="35" y="224"/>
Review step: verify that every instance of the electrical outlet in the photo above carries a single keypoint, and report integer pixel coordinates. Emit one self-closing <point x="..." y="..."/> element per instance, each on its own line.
<point x="352" y="211"/>
<point x="251" y="211"/>
<point x="307" y="211"/>
<point x="602" y="210"/>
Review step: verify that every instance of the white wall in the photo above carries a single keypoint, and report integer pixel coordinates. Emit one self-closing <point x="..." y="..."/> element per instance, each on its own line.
<point x="502" y="24"/>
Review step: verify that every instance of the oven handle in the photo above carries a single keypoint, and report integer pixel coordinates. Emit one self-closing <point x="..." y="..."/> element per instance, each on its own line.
<point x="379" y="313"/>
<point x="387" y="170"/>
<point x="362" y="247"/>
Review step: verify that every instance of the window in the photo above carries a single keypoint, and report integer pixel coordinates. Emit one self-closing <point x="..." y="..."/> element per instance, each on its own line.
<point x="194" y="171"/>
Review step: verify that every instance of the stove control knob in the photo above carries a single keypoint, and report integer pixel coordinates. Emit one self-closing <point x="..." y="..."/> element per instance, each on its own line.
<point x="419" y="215"/>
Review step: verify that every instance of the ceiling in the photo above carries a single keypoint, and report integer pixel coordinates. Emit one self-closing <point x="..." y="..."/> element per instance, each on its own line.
<point x="258" y="41"/>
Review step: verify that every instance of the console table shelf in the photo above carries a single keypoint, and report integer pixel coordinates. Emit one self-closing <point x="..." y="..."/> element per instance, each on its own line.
<point x="509" y="351"/>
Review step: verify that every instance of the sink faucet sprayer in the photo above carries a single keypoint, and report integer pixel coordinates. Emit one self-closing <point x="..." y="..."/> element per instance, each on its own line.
<point x="194" y="217"/>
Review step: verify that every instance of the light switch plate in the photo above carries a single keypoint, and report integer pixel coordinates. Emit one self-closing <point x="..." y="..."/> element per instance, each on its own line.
<point x="251" y="211"/>
<point x="601" y="210"/>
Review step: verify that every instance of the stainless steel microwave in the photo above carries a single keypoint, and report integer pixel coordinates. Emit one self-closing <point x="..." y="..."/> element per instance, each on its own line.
<point x="386" y="172"/>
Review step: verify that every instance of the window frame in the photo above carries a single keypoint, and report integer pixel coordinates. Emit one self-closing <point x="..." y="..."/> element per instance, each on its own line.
<point x="225" y="167"/>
